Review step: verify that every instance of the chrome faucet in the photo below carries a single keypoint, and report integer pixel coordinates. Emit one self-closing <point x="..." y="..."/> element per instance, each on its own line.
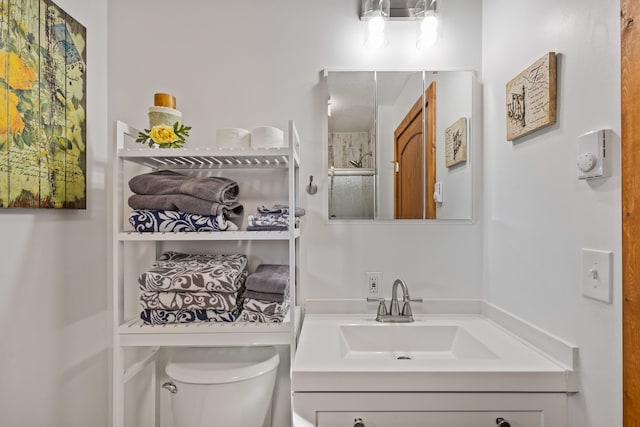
<point x="394" y="315"/>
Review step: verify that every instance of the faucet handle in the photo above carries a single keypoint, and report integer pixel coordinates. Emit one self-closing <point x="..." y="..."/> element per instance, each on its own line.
<point x="382" y="308"/>
<point x="406" y="307"/>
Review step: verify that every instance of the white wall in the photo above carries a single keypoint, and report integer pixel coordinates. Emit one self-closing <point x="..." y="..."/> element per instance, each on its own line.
<point x="250" y="63"/>
<point x="254" y="63"/>
<point x="245" y="64"/>
<point x="229" y="66"/>
<point x="53" y="297"/>
<point x="538" y="215"/>
<point x="454" y="101"/>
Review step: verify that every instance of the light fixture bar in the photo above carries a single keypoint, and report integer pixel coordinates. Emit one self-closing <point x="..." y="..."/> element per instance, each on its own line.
<point x="400" y="10"/>
<point x="376" y="13"/>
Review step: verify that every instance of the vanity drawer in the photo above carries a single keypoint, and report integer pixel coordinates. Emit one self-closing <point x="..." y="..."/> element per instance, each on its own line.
<point x="429" y="409"/>
<point x="430" y="419"/>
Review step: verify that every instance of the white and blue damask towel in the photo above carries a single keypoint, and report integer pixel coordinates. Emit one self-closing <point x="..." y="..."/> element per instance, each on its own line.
<point x="151" y="220"/>
<point x="163" y="317"/>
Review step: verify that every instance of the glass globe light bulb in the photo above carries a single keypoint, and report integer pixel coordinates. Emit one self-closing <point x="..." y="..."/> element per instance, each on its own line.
<point x="427" y="31"/>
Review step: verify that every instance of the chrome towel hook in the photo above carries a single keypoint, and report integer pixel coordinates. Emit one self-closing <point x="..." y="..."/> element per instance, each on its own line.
<point x="311" y="188"/>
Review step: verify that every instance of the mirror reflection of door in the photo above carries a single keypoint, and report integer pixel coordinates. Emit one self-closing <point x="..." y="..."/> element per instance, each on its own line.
<point x="415" y="176"/>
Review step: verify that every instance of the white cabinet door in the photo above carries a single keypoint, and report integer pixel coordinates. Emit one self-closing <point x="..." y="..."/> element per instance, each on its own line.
<point x="430" y="419"/>
<point x="429" y="409"/>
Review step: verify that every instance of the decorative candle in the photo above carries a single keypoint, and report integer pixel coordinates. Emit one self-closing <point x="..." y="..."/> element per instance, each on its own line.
<point x="163" y="116"/>
<point x="164" y="100"/>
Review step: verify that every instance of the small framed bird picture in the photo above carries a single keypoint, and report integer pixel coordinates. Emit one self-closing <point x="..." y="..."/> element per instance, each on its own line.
<point x="455" y="140"/>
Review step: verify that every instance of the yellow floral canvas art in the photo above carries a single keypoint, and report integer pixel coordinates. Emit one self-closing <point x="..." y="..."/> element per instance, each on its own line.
<point x="42" y="106"/>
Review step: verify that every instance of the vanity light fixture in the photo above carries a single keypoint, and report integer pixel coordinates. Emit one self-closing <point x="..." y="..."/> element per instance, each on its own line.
<point x="376" y="13"/>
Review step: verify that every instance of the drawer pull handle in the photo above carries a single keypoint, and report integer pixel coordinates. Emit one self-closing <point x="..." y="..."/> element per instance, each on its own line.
<point x="501" y="422"/>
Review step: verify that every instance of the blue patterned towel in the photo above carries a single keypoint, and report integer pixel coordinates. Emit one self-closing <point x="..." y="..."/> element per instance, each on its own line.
<point x="163" y="317"/>
<point x="149" y="220"/>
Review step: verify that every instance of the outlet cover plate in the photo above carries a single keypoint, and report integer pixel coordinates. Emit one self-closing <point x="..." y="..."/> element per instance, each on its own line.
<point x="595" y="274"/>
<point x="374" y="281"/>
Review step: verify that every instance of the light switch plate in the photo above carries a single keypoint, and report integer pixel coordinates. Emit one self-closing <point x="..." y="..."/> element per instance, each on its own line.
<point x="596" y="274"/>
<point x="437" y="192"/>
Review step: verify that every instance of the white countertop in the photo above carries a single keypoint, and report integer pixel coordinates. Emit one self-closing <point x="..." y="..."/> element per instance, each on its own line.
<point x="511" y="364"/>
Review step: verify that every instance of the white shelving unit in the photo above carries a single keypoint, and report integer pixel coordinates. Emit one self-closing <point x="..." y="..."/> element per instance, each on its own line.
<point x="130" y="333"/>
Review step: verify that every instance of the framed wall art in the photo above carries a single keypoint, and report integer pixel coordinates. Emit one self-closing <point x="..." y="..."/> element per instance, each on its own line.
<point x="42" y="107"/>
<point x="455" y="142"/>
<point x="531" y="98"/>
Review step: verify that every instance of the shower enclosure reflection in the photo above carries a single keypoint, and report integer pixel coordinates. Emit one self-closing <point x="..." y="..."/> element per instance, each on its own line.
<point x="351" y="145"/>
<point x="387" y="144"/>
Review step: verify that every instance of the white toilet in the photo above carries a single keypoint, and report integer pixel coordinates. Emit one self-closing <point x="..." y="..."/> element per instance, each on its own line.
<point x="229" y="387"/>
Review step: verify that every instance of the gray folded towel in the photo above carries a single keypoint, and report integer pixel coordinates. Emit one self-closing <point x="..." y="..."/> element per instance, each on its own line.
<point x="269" y="279"/>
<point x="267" y="227"/>
<point x="211" y="188"/>
<point x="184" y="203"/>
<point x="280" y="209"/>
<point x="268" y="222"/>
<point x="264" y="296"/>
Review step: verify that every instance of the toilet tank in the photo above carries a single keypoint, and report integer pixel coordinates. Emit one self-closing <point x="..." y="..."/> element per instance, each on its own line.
<point x="222" y="386"/>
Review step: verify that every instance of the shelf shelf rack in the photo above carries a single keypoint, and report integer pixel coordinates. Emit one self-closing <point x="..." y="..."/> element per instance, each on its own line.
<point x="129" y="333"/>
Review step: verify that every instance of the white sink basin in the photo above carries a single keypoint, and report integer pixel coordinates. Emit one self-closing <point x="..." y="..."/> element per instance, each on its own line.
<point x="433" y="354"/>
<point x="410" y="341"/>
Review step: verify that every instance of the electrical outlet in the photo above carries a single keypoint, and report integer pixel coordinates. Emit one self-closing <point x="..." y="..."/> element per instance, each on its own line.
<point x="374" y="279"/>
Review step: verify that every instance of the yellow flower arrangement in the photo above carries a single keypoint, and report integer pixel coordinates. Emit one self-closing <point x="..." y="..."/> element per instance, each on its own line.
<point x="165" y="136"/>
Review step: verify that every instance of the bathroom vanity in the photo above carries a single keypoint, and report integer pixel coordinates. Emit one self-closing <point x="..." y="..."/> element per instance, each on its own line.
<point x="477" y="367"/>
<point x="380" y="409"/>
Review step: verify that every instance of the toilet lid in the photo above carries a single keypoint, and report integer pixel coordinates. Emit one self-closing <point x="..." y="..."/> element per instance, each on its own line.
<point x="221" y="365"/>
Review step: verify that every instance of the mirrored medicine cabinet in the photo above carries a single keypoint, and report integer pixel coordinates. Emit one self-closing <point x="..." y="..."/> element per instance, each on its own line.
<point x="399" y="145"/>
